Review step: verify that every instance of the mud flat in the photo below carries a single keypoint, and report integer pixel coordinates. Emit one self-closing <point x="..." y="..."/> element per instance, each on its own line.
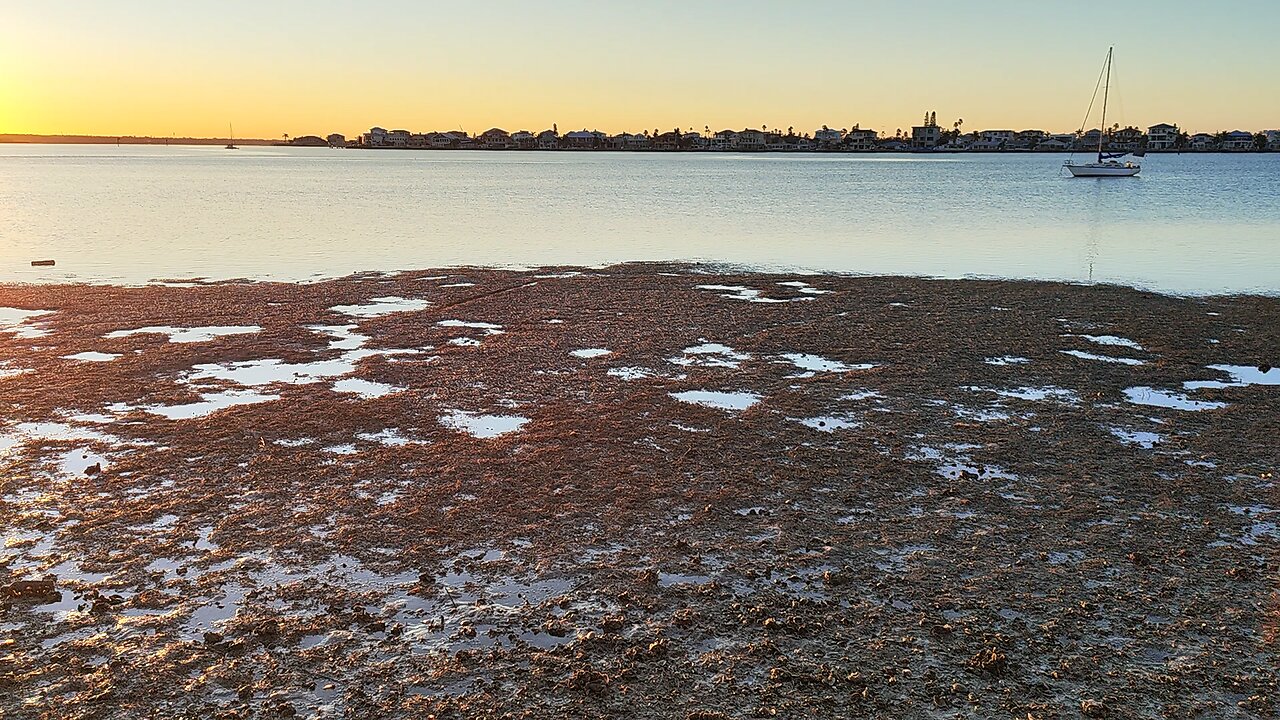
<point x="642" y="492"/>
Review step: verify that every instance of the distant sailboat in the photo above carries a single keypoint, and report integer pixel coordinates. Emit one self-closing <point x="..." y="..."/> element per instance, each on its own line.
<point x="231" y="140"/>
<point x="1106" y="166"/>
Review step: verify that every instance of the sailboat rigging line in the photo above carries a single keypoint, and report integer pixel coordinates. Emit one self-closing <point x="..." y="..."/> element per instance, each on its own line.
<point x="1092" y="100"/>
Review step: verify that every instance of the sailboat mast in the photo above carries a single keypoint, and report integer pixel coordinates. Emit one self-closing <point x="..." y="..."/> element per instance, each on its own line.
<point x="1106" y="91"/>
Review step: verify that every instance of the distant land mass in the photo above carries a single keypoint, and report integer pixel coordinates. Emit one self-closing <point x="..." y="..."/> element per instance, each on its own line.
<point x="126" y="140"/>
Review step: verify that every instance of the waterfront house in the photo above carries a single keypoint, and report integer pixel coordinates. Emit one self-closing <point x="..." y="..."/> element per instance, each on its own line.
<point x="827" y="137"/>
<point x="748" y="140"/>
<point x="1202" y="142"/>
<point x="523" y="140"/>
<point x="774" y="142"/>
<point x="548" y="140"/>
<point x="991" y="140"/>
<point x="583" y="139"/>
<point x="670" y="140"/>
<point x="1273" y="140"/>
<point x="494" y="139"/>
<point x="1162" y="137"/>
<point x="1237" y="141"/>
<point x="399" y="138"/>
<point x="925" y="136"/>
<point x="418" y="140"/>
<point x="723" y="140"/>
<point x="859" y="140"/>
<point x="1126" y="139"/>
<point x="1055" y="143"/>
<point x="1027" y="139"/>
<point x="441" y="141"/>
<point x="1089" y="140"/>
<point x="694" y="141"/>
<point x="376" y="137"/>
<point x="337" y="140"/>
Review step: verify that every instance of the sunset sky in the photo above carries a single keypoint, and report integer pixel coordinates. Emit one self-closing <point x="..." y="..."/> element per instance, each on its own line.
<point x="141" y="67"/>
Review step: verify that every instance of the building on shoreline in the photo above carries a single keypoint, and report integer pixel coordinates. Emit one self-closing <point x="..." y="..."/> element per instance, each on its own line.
<point x="927" y="137"/>
<point x="1162" y="137"/>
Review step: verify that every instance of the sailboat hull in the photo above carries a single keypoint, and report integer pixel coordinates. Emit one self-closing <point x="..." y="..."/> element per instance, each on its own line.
<point x="1104" y="170"/>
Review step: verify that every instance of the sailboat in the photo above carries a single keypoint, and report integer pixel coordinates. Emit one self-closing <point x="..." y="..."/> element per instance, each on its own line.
<point x="231" y="141"/>
<point x="1106" y="166"/>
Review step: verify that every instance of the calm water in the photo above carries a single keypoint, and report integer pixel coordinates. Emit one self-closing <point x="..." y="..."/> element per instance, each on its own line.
<point x="1190" y="224"/>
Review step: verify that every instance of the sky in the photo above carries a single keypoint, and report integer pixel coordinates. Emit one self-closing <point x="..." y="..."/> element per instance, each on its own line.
<point x="271" y="67"/>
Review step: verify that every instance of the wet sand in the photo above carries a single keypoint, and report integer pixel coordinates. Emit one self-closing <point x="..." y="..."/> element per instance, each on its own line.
<point x="643" y="491"/>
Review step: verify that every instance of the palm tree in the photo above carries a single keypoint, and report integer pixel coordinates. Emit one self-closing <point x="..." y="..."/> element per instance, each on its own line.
<point x="286" y="137"/>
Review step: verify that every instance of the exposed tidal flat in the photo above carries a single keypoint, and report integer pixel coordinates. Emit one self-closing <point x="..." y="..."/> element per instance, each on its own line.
<point x="637" y="491"/>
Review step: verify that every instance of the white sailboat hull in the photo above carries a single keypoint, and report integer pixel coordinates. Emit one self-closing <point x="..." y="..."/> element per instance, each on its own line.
<point x="1104" y="170"/>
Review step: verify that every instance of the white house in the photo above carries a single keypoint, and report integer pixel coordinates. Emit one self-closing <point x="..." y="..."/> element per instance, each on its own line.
<point x="989" y="140"/>
<point x="495" y="139"/>
<point x="1201" y="142"/>
<point x="1162" y="137"/>
<point x="723" y="140"/>
<point x="399" y="138"/>
<point x="859" y="140"/>
<point x="749" y="140"/>
<point x="1237" y="141"/>
<point x="1273" y="140"/>
<point x="548" y="140"/>
<point x="827" y="137"/>
<point x="584" y="139"/>
<point x="523" y="139"/>
<point x="1055" y="143"/>
<point x="925" y="136"/>
<point x="376" y="137"/>
<point x="694" y="141"/>
<point x="1027" y="138"/>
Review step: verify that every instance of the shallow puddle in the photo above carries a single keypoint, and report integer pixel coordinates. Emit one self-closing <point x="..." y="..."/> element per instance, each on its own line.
<point x="92" y="356"/>
<point x="631" y="373"/>
<point x="482" y="426"/>
<point x="365" y="389"/>
<point x="1035" y="394"/>
<point x="186" y="335"/>
<point x="710" y="355"/>
<point x="210" y="403"/>
<point x="717" y="399"/>
<point x="739" y="292"/>
<point x="1145" y="440"/>
<point x="1102" y="358"/>
<point x="1113" y="340"/>
<point x="379" y="306"/>
<point x="829" y="424"/>
<point x="1142" y="395"/>
<point x="589" y="353"/>
<point x="815" y="363"/>
<point x="1241" y="376"/>
<point x="19" y="322"/>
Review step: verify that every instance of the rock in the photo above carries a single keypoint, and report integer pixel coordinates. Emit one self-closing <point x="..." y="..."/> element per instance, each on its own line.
<point x="31" y="590"/>
<point x="212" y="638"/>
<point x="94" y="469"/>
<point x="42" y="263"/>
<point x="612" y="623"/>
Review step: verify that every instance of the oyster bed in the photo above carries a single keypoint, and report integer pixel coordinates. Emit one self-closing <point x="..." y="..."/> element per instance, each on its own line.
<point x="640" y="491"/>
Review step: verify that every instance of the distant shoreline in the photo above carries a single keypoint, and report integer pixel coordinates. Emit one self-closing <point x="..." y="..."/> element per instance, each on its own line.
<point x="24" y="139"/>
<point x="18" y="139"/>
